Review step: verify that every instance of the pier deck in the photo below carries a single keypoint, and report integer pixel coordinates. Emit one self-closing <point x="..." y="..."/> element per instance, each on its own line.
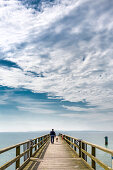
<point x="57" y="156"/>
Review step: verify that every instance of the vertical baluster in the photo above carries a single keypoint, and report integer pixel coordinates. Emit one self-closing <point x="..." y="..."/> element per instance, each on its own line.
<point x="28" y="147"/>
<point x="18" y="153"/>
<point x="38" y="142"/>
<point x="86" y="151"/>
<point x="94" y="154"/>
<point x="31" y="148"/>
<point x="35" y="144"/>
<point x="83" y="147"/>
<point x="74" y="143"/>
<point x="44" y="139"/>
<point x="41" y="140"/>
<point x="79" y="148"/>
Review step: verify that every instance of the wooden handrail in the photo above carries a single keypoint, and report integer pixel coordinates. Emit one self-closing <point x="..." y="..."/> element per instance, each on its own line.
<point x="96" y="160"/>
<point x="12" y="147"/>
<point x="40" y="142"/>
<point x="94" y="145"/>
<point x="13" y="160"/>
<point x="99" y="147"/>
<point x="19" y="144"/>
<point x="83" y="151"/>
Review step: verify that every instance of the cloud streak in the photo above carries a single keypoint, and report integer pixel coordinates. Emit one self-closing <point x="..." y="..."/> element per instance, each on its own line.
<point x="70" y="43"/>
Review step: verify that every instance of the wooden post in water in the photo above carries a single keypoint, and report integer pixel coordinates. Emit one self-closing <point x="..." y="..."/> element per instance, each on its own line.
<point x="106" y="140"/>
<point x="17" y="154"/>
<point x="94" y="154"/>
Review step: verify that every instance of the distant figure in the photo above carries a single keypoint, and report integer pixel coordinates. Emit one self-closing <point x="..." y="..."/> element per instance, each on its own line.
<point x="52" y="134"/>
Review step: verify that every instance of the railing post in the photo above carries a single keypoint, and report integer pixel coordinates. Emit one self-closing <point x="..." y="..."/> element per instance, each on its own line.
<point x="79" y="148"/>
<point x="17" y="154"/>
<point x="69" y="140"/>
<point x="74" y="143"/>
<point x="66" y="140"/>
<point x="86" y="151"/>
<point x="38" y="142"/>
<point x="35" y="144"/>
<point x="44" y="139"/>
<point x="28" y="147"/>
<point x="94" y="154"/>
<point x="64" y="137"/>
<point x="83" y="147"/>
<point x="31" y="151"/>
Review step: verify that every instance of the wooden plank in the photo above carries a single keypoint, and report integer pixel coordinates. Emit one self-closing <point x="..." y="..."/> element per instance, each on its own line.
<point x="58" y="156"/>
<point x="36" y="155"/>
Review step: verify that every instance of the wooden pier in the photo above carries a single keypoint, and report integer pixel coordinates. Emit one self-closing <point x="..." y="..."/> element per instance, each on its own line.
<point x="58" y="156"/>
<point x="67" y="153"/>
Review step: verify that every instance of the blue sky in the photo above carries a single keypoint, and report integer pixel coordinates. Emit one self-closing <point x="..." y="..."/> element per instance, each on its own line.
<point x="56" y="65"/>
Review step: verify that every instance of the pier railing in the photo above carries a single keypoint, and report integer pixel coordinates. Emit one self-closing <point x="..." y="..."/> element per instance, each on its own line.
<point x="80" y="147"/>
<point x="30" y="148"/>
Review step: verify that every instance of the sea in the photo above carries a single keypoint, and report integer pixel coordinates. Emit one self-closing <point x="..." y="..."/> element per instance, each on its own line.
<point x="95" y="137"/>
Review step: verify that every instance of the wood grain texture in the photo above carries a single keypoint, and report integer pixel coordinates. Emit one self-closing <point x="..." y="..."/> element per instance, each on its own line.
<point x="57" y="156"/>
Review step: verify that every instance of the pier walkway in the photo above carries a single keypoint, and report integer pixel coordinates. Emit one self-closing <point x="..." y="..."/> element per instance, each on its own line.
<point x="68" y="153"/>
<point x="57" y="156"/>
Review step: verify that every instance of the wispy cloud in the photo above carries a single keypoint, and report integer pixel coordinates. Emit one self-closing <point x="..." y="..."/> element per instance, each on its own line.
<point x="70" y="43"/>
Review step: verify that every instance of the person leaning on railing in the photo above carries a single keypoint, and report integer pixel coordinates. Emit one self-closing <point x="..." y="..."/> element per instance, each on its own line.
<point x="52" y="134"/>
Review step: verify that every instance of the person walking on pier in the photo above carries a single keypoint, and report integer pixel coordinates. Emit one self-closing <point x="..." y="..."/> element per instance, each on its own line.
<point x="52" y="134"/>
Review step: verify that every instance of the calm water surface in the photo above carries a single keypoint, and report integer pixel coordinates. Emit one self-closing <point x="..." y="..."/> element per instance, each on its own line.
<point x="8" y="139"/>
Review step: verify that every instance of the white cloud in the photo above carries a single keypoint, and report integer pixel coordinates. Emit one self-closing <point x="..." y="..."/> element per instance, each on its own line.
<point x="36" y="110"/>
<point x="70" y="43"/>
<point x="93" y="118"/>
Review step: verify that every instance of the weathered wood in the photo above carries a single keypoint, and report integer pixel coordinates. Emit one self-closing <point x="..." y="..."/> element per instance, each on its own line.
<point x="83" y="152"/>
<point x="12" y="147"/>
<point x="74" y="143"/>
<point x="55" y="156"/>
<point x="93" y="152"/>
<point x="80" y="148"/>
<point x="19" y="144"/>
<point x="97" y="161"/>
<point x="17" y="154"/>
<point x="94" y="145"/>
<point x="83" y="147"/>
<point x="35" y="144"/>
<point x="3" y="167"/>
<point x="58" y="156"/>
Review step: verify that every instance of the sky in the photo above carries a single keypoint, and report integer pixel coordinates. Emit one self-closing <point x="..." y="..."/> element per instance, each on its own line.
<point x="56" y="65"/>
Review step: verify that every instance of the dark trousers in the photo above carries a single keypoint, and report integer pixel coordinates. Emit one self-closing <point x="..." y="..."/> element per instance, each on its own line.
<point x="52" y="139"/>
